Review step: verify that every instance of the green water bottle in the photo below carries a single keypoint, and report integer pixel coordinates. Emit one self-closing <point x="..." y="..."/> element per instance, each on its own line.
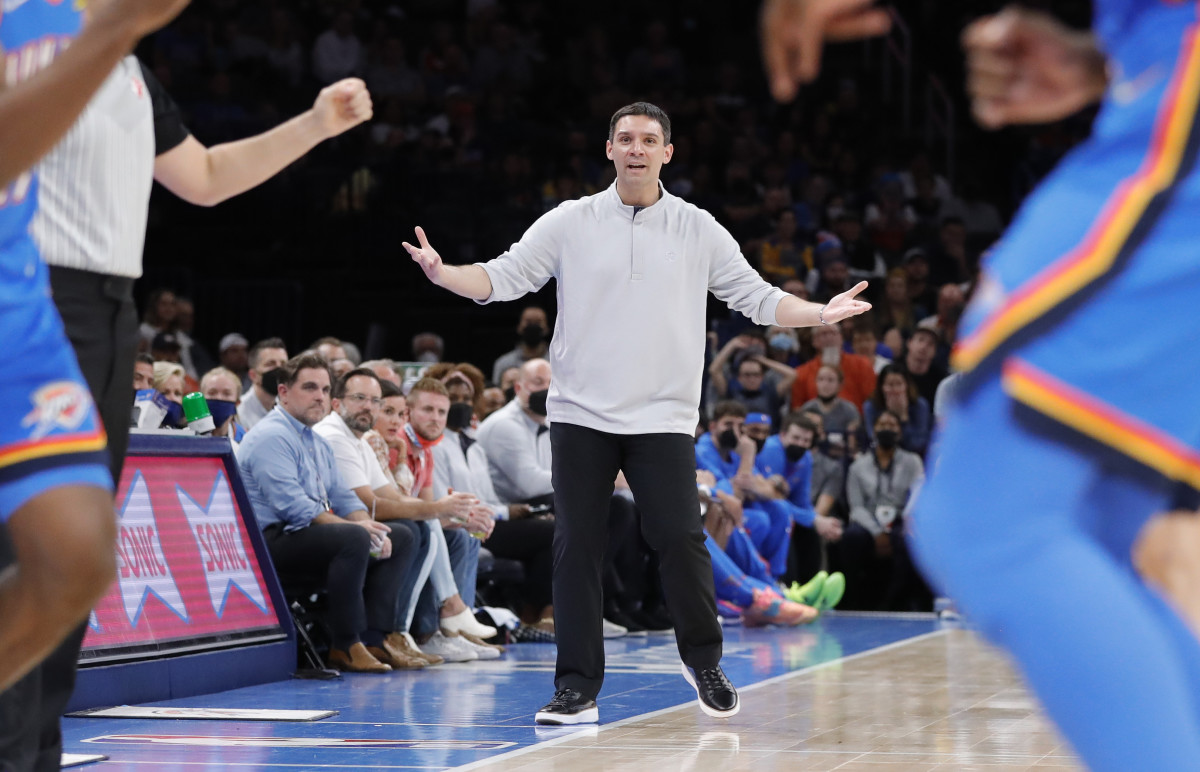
<point x="195" y="410"/>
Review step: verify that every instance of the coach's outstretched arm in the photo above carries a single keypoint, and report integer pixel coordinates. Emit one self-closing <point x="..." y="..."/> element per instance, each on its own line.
<point x="37" y="112"/>
<point x="794" y="312"/>
<point x="206" y="176"/>
<point x="470" y="281"/>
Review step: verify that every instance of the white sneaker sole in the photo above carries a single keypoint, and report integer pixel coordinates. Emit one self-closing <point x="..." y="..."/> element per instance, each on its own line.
<point x="687" y="674"/>
<point x="589" y="716"/>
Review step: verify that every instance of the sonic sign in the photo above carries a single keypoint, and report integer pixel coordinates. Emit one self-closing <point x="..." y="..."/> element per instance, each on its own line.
<point x="187" y="573"/>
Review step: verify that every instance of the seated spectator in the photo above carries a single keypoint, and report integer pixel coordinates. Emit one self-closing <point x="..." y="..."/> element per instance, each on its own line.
<point x="896" y="315"/>
<point x="385" y="369"/>
<point x="428" y="347"/>
<point x="865" y="342"/>
<point x="865" y="262"/>
<point x="330" y="348"/>
<point x="339" y="367"/>
<point x="950" y="304"/>
<point x="840" y="417"/>
<point x="337" y="52"/>
<point x="920" y="362"/>
<point x="783" y="346"/>
<point x="316" y="528"/>
<point x="881" y="484"/>
<point x="786" y="456"/>
<point x="388" y="438"/>
<point x="265" y="356"/>
<point x="143" y="372"/>
<point x="164" y="347"/>
<point x="781" y="255"/>
<point x="159" y="315"/>
<point x="220" y="388"/>
<point x="428" y="404"/>
<point x="358" y="397"/>
<point x="828" y="473"/>
<point x="168" y="380"/>
<point x="492" y="400"/>
<point x="508" y="381"/>
<point x="949" y="260"/>
<point x="461" y="464"/>
<point x="533" y="330"/>
<point x="832" y="276"/>
<point x="517" y="440"/>
<point x="233" y="352"/>
<point x="192" y="356"/>
<point x="858" y="381"/>
<point x="463" y="382"/>
<point x="756" y="388"/>
<point x="897" y="393"/>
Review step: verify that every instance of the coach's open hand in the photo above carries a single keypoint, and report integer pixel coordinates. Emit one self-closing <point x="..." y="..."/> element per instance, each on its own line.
<point x="845" y="305"/>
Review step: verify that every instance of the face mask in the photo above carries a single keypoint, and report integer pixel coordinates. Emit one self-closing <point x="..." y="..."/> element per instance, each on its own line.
<point x="824" y="446"/>
<point x="751" y="393"/>
<point x="271" y="379"/>
<point x="175" y="417"/>
<point x="886" y="439"/>
<point x="222" y="410"/>
<point x="533" y="334"/>
<point x="783" y="342"/>
<point x="760" y="443"/>
<point x="427" y="356"/>
<point x="727" y="440"/>
<point x="795" y="452"/>
<point x="537" y="401"/>
<point x="510" y="394"/>
<point x="459" y="416"/>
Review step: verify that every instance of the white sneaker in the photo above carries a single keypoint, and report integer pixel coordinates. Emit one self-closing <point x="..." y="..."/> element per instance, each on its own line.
<point x="451" y="649"/>
<point x="465" y="622"/>
<point x="614" y="630"/>
<point x="482" y="650"/>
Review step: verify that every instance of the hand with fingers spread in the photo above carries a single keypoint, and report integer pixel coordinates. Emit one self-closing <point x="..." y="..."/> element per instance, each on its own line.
<point x="845" y="305"/>
<point x="794" y="32"/>
<point x="342" y="106"/>
<point x="426" y="257"/>
<point x="1026" y="67"/>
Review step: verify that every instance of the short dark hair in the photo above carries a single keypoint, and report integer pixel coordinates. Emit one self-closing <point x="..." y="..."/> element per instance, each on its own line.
<point x="728" y="407"/>
<point x="797" y="418"/>
<point x="144" y="359"/>
<point x="892" y="413"/>
<point x="339" y="388"/>
<point x="292" y="368"/>
<point x="257" y="348"/>
<point x="390" y="389"/>
<point x="642" y="108"/>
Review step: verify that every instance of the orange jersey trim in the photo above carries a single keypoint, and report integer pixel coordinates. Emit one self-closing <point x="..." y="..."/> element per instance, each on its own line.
<point x="1102" y="422"/>
<point x="1110" y="232"/>
<point x="53" y="446"/>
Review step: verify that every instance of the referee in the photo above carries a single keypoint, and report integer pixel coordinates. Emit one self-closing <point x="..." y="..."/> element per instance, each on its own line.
<point x="94" y="190"/>
<point x="634" y="265"/>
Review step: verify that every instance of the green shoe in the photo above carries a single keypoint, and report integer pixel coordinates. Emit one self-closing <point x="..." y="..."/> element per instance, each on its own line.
<point x="832" y="592"/>
<point x="809" y="592"/>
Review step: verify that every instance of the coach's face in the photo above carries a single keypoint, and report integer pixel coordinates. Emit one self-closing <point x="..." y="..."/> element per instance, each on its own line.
<point x="638" y="151"/>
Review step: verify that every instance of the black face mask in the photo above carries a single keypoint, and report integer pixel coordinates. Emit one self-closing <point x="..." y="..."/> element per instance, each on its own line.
<point x="751" y="393"/>
<point x="795" y="452"/>
<point x="459" y="416"/>
<point x="727" y="440"/>
<point x="533" y="334"/>
<point x="823" y="446"/>
<point x="760" y="443"/>
<point x="537" y="401"/>
<point x="887" y="439"/>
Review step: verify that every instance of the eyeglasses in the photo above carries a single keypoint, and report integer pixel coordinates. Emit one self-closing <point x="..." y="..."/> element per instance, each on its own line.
<point x="375" y="401"/>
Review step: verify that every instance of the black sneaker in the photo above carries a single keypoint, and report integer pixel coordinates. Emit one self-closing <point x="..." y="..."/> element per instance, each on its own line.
<point x="717" y="696"/>
<point x="656" y="621"/>
<point x="569" y="707"/>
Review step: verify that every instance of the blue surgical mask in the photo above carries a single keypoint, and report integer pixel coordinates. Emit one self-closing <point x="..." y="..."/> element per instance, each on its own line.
<point x="783" y="342"/>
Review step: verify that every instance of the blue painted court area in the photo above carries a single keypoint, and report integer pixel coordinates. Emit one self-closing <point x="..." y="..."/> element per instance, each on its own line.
<point x="453" y="715"/>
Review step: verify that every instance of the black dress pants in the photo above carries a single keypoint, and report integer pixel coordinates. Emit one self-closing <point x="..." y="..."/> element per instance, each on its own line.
<point x="101" y="322"/>
<point x="530" y="541"/>
<point x="661" y="471"/>
<point x="362" y="591"/>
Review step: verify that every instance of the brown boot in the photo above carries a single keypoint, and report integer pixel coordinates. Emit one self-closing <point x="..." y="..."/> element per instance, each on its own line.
<point x="397" y="658"/>
<point x="402" y="642"/>
<point x="357" y="660"/>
